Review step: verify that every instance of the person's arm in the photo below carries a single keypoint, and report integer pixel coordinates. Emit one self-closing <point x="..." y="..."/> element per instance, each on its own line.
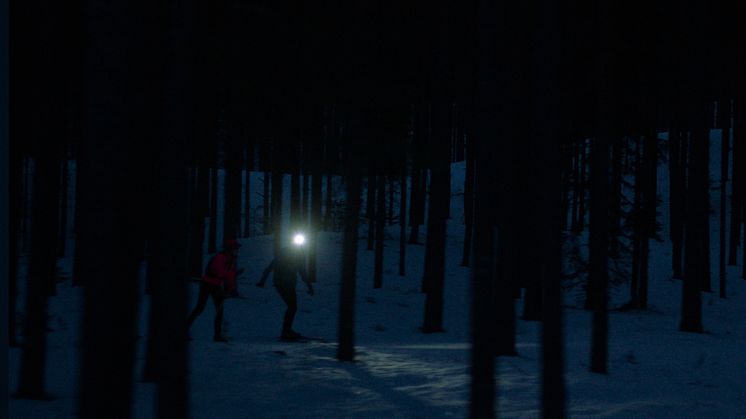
<point x="266" y="272"/>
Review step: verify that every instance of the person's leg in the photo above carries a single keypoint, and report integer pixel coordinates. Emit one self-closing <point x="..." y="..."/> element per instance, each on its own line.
<point x="288" y="295"/>
<point x="204" y="292"/>
<point x="218" y="298"/>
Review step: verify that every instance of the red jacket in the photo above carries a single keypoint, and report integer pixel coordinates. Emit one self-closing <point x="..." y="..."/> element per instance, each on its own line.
<point x="221" y="270"/>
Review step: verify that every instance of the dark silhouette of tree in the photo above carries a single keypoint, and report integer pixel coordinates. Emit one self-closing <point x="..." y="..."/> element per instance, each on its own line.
<point x="696" y="212"/>
<point x="212" y="241"/>
<point x="15" y="208"/>
<point x="233" y="163"/>
<point x="249" y="167"/>
<point x="64" y="202"/>
<point x="678" y="154"/>
<point x="42" y="262"/>
<point x="315" y="222"/>
<point x="266" y="217"/>
<point x="723" y="114"/>
<point x="346" y="346"/>
<point x="403" y="218"/>
<point x="380" y="225"/>
<point x="123" y="36"/>
<point x="598" y="279"/>
<point x="487" y="104"/>
<point x="735" y="196"/>
<point x="370" y="207"/>
<point x="468" y="201"/>
<point x="434" y="272"/>
<point x="38" y="117"/>
<point x="551" y="25"/>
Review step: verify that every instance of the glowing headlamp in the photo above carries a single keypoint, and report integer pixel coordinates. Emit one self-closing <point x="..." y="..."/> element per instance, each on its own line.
<point x="299" y="239"/>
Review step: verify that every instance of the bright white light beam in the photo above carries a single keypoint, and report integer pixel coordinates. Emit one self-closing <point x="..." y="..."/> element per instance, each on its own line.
<point x="299" y="239"/>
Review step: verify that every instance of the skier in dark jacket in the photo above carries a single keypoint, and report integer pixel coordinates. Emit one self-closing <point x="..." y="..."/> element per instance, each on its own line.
<point x="219" y="278"/>
<point x="286" y="266"/>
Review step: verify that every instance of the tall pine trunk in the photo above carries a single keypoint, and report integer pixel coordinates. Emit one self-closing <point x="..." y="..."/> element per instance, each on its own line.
<point x="41" y="272"/>
<point x="118" y="136"/>
<point x="724" y="117"/>
<point x="212" y="242"/>
<point x="277" y="192"/>
<point x="650" y="195"/>
<point x="468" y="202"/>
<point x="232" y="197"/>
<point x="615" y="198"/>
<point x="370" y="207"/>
<point x="403" y="220"/>
<point x="434" y="272"/>
<point x="346" y="325"/>
<point x="736" y="194"/>
<point x="315" y="223"/>
<point x="380" y="225"/>
<point x="247" y="219"/>
<point x="598" y="278"/>
<point x="64" y="203"/>
<point x="677" y="188"/>
<point x="295" y="188"/>
<point x="266" y="217"/>
<point x="198" y="212"/>
<point x="329" y="206"/>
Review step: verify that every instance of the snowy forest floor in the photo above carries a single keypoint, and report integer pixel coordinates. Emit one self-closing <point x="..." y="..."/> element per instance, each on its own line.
<point x="654" y="370"/>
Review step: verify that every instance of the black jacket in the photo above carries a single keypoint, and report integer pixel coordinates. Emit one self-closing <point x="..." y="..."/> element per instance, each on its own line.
<point x="286" y="267"/>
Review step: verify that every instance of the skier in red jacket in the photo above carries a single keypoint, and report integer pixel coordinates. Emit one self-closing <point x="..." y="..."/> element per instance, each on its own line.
<point x="221" y="272"/>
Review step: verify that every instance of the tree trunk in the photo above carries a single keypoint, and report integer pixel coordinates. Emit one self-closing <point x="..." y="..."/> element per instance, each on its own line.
<point x="576" y="186"/>
<point x="434" y="272"/>
<point x="15" y="198"/>
<point x="637" y="230"/>
<point x="415" y="209"/>
<point x="724" y="117"/>
<point x="200" y="201"/>
<point x="277" y="192"/>
<point x="117" y="136"/>
<point x="232" y="197"/>
<point x="583" y="184"/>
<point x="64" y="189"/>
<point x="329" y="214"/>
<point x="736" y="208"/>
<point x="370" y="208"/>
<point x="566" y="185"/>
<point x="212" y="242"/>
<point x="295" y="190"/>
<point x="696" y="221"/>
<point x="468" y="203"/>
<point x="390" y="211"/>
<point x="26" y="213"/>
<point x="598" y="278"/>
<point x="403" y="220"/>
<point x="41" y="273"/>
<point x="247" y="195"/>
<point x="380" y="231"/>
<point x="267" y="224"/>
<point x="306" y="199"/>
<point x="650" y="193"/>
<point x="346" y="330"/>
<point x="615" y="198"/>
<point x="677" y="161"/>
<point x="315" y="224"/>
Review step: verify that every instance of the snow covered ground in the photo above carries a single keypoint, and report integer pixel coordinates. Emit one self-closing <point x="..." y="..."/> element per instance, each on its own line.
<point x="654" y="370"/>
